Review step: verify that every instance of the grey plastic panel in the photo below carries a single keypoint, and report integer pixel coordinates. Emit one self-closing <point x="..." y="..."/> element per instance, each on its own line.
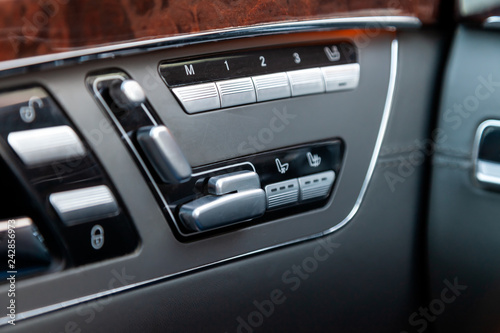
<point x="380" y="240"/>
<point x="369" y="280"/>
<point x="209" y="137"/>
<point x="463" y="222"/>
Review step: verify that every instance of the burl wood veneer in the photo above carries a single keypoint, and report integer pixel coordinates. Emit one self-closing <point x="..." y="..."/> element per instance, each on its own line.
<point x="37" y="27"/>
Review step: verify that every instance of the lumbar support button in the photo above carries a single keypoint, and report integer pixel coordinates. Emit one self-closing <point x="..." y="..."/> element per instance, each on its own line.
<point x="282" y="193"/>
<point x="316" y="186"/>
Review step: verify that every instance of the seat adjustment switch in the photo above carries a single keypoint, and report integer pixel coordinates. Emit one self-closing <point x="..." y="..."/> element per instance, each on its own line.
<point x="164" y="154"/>
<point x="232" y="198"/>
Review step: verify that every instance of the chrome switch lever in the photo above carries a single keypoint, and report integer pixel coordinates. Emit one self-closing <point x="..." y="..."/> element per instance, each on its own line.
<point x="235" y="181"/>
<point x="233" y="198"/>
<point x="212" y="211"/>
<point x="164" y="154"/>
<point x="127" y="94"/>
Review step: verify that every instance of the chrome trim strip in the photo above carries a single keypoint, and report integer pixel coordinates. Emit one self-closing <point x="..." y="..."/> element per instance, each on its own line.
<point x="369" y="173"/>
<point x="146" y="111"/>
<point x="380" y="138"/>
<point x="492" y="22"/>
<point x="475" y="154"/>
<point x="488" y="172"/>
<point x="224" y="167"/>
<point x="16" y="66"/>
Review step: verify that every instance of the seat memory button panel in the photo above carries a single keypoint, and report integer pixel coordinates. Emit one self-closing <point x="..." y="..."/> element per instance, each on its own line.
<point x="245" y="77"/>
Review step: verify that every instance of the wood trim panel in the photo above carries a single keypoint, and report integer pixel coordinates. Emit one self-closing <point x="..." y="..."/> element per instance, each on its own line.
<point x="38" y="27"/>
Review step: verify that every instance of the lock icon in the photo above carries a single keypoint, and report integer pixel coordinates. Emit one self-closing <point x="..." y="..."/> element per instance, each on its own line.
<point x="28" y="113"/>
<point x="97" y="237"/>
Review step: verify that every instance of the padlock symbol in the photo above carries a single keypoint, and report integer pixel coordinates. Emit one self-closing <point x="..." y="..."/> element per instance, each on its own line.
<point x="28" y="113"/>
<point x="97" y="237"/>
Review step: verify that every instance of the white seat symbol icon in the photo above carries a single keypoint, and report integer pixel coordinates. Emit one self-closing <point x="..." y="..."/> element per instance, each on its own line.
<point x="282" y="168"/>
<point x="314" y="160"/>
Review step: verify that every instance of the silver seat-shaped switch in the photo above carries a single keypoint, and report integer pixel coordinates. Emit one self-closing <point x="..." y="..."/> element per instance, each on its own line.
<point x="233" y="198"/>
<point x="213" y="211"/>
